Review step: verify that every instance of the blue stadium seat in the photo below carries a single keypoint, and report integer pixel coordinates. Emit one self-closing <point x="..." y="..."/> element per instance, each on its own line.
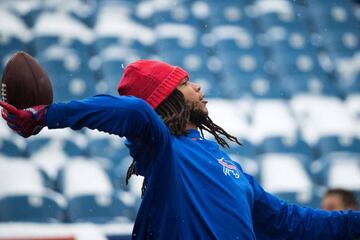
<point x="336" y="168"/>
<point x="174" y="45"/>
<point x="194" y="62"/>
<point x="282" y="145"/>
<point x="41" y="43"/>
<point x="131" y="211"/>
<point x="288" y="21"/>
<point x="348" y="86"/>
<point x="10" y="148"/>
<point x="247" y="149"/>
<point x="86" y="16"/>
<point x="198" y="66"/>
<point x="72" y="149"/>
<point x="294" y="41"/>
<point x="73" y="178"/>
<point x="333" y="14"/>
<point x="256" y="85"/>
<point x="49" y="183"/>
<point x="248" y="46"/>
<point x="342" y="43"/>
<point x="242" y="62"/>
<point x="95" y="209"/>
<point x="229" y="13"/>
<point x="313" y="200"/>
<point x="9" y="46"/>
<point x="73" y="82"/>
<point x="100" y="147"/>
<point x="111" y="72"/>
<point x="173" y="37"/>
<point x="181" y="14"/>
<point x="30" y="209"/>
<point x="35" y="145"/>
<point x="331" y="144"/>
<point x="296" y="63"/>
<point x="102" y="42"/>
<point x="288" y="176"/>
<point x="295" y="84"/>
<point x="31" y="16"/>
<point x="234" y="38"/>
<point x="103" y="147"/>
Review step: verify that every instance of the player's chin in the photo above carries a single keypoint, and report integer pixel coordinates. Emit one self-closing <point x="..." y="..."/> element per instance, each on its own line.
<point x="202" y="107"/>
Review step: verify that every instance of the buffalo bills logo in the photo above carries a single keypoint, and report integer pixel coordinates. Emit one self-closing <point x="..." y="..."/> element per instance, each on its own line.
<point x="228" y="168"/>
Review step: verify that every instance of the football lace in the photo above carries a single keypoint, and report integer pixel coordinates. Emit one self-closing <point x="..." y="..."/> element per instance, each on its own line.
<point x="3" y="92"/>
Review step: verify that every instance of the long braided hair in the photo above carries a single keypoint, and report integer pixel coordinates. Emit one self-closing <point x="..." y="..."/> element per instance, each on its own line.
<point x="176" y="113"/>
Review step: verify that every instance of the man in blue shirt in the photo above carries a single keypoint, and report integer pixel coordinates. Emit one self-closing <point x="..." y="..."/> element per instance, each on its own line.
<point x="192" y="189"/>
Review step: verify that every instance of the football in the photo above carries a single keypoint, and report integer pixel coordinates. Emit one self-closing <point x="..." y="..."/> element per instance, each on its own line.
<point x="24" y="83"/>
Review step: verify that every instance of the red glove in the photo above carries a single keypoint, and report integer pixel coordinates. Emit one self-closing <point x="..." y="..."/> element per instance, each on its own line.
<point x="25" y="122"/>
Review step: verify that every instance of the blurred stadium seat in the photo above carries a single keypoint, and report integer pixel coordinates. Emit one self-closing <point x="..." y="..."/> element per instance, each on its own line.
<point x="338" y="170"/>
<point x="10" y="148"/>
<point x="95" y="209"/>
<point x="30" y="208"/>
<point x="285" y="145"/>
<point x="295" y="168"/>
<point x="307" y="83"/>
<point x="81" y="176"/>
<point x="322" y="116"/>
<point x="31" y="181"/>
<point x="331" y="144"/>
<point x="272" y="118"/>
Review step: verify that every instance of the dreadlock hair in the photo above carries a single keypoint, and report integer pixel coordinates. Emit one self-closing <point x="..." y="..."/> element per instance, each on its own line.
<point x="176" y="113"/>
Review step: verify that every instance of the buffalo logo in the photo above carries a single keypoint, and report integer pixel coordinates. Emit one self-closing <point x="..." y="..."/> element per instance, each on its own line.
<point x="228" y="168"/>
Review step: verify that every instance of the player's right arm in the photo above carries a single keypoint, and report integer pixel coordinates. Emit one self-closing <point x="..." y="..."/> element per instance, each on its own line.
<point x="276" y="219"/>
<point x="124" y="116"/>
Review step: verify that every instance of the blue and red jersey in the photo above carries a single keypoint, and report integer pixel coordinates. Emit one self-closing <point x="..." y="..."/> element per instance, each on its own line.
<point x="194" y="190"/>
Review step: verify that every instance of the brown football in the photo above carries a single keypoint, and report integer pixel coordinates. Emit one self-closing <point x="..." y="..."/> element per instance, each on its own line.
<point x="24" y="83"/>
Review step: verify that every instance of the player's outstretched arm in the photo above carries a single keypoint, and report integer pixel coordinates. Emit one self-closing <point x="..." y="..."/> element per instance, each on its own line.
<point x="124" y="116"/>
<point x="276" y="219"/>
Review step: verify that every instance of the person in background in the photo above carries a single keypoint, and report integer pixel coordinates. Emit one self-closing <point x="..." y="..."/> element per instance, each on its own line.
<point x="339" y="199"/>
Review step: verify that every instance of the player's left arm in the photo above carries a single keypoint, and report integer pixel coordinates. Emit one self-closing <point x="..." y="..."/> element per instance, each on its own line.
<point x="276" y="219"/>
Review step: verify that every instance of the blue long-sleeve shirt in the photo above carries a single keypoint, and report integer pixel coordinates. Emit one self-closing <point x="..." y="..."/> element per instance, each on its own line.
<point x="194" y="190"/>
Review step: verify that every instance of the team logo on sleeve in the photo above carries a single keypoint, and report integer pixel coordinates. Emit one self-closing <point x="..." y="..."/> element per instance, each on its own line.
<point x="229" y="168"/>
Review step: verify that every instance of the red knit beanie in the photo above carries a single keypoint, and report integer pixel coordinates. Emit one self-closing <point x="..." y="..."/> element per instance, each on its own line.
<point x="150" y="80"/>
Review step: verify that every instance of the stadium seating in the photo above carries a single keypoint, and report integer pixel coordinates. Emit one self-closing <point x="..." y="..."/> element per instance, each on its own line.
<point x="30" y="208"/>
<point x="30" y="182"/>
<point x="322" y="116"/>
<point x="334" y="170"/>
<point x="96" y="209"/>
<point x="285" y="145"/>
<point x="276" y="167"/>
<point x="9" y="148"/>
<point x="272" y="118"/>
<point x="331" y="144"/>
<point x="282" y="76"/>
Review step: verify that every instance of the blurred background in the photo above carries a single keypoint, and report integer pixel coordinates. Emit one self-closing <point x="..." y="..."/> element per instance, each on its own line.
<point x="283" y="76"/>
